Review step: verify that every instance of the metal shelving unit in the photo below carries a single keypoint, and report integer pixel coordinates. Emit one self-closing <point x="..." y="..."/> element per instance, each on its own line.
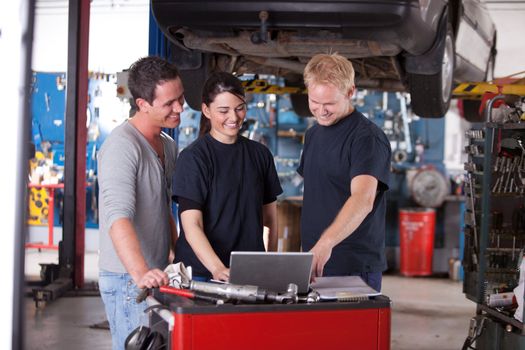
<point x="495" y="229"/>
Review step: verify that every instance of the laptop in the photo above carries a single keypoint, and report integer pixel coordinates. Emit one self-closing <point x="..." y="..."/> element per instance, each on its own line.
<point x="271" y="270"/>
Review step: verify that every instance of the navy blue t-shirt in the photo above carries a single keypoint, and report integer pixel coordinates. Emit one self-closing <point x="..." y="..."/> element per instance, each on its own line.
<point x="332" y="157"/>
<point x="231" y="183"/>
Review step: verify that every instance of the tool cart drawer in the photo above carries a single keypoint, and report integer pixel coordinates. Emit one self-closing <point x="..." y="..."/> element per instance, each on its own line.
<point x="189" y="324"/>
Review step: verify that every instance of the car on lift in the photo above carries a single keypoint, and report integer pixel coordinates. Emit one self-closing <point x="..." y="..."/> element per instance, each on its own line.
<point x="423" y="47"/>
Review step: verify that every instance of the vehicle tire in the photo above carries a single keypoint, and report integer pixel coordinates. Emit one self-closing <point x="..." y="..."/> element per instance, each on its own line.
<point x="430" y="94"/>
<point x="300" y="105"/>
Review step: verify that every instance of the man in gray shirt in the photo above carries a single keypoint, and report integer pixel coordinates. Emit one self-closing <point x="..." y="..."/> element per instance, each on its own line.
<point x="135" y="164"/>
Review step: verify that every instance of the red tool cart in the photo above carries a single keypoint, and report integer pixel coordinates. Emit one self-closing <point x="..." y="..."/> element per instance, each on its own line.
<point x="189" y="324"/>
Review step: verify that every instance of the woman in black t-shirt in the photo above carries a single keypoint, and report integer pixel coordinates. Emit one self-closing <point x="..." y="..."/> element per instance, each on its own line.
<point x="226" y="186"/>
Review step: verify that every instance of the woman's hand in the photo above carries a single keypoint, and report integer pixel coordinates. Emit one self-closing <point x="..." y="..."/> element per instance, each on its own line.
<point x="222" y="274"/>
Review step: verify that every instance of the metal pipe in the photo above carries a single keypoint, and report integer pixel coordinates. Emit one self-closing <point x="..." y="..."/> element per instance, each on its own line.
<point x="488" y="109"/>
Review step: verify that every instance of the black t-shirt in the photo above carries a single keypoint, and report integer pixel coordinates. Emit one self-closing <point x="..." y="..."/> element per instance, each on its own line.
<point x="231" y="182"/>
<point x="332" y="157"/>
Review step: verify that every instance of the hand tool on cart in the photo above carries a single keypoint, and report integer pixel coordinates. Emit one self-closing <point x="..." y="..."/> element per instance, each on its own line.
<point x="245" y="293"/>
<point x="143" y="295"/>
<point x="310" y="298"/>
<point x="219" y="293"/>
<point x="190" y="294"/>
<point x="177" y="274"/>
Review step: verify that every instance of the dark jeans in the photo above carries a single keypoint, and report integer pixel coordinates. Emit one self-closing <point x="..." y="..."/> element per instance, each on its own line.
<point x="200" y="278"/>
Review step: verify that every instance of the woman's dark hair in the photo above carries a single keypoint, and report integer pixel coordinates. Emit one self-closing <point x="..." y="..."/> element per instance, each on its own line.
<point x="216" y="84"/>
<point x="145" y="74"/>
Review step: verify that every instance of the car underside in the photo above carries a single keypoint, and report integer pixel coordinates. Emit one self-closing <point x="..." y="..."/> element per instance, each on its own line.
<point x="394" y="45"/>
<point x="286" y="55"/>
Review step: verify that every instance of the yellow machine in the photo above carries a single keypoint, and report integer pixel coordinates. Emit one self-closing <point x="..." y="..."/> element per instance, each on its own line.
<point x="38" y="201"/>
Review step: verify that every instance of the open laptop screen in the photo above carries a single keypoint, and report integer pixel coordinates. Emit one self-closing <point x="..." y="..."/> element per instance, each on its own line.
<point x="271" y="270"/>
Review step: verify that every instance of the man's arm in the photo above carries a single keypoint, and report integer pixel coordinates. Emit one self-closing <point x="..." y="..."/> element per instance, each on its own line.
<point x="351" y="215"/>
<point x="174" y="237"/>
<point x="192" y="222"/>
<point x="270" y="221"/>
<point x="128" y="250"/>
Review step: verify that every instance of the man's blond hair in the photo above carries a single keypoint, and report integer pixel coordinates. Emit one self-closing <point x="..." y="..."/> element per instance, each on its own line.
<point x="330" y="68"/>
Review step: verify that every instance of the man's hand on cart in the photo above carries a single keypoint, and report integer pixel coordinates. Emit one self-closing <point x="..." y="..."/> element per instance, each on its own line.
<point x="174" y="275"/>
<point x="154" y="278"/>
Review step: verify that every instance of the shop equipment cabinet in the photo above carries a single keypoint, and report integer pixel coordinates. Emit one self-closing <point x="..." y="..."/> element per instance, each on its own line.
<point x="495" y="227"/>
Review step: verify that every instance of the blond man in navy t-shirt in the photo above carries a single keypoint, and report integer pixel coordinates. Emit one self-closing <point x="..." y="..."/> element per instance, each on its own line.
<point x="345" y="165"/>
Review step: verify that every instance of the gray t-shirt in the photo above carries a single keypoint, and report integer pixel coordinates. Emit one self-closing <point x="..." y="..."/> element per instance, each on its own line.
<point x="133" y="184"/>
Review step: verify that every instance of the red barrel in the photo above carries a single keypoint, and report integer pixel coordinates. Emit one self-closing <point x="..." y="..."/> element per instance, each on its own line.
<point x="416" y="240"/>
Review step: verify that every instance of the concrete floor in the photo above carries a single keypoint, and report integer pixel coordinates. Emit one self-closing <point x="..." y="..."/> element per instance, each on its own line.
<point x="65" y="324"/>
<point x="427" y="313"/>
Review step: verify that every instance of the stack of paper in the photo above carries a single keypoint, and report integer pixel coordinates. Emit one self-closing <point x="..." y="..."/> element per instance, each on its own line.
<point x="343" y="288"/>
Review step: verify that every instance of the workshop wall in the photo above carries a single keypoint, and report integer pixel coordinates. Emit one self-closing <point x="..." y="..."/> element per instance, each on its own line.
<point x="508" y="18"/>
<point x="118" y="36"/>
